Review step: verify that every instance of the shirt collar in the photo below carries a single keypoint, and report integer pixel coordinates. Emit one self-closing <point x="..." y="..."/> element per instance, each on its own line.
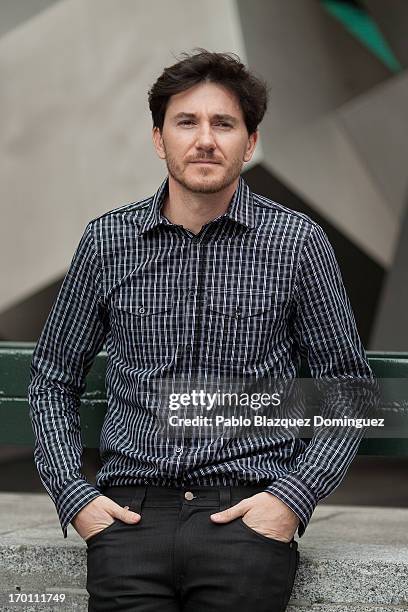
<point x="240" y="209"/>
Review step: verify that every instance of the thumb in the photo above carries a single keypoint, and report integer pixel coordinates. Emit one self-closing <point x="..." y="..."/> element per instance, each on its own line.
<point x="229" y="514"/>
<point x="126" y="515"/>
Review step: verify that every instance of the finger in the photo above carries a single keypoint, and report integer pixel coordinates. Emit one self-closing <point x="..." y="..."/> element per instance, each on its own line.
<point x="126" y="515"/>
<point x="229" y="514"/>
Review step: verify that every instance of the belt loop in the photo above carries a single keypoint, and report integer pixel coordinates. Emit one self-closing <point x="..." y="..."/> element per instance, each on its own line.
<point x="138" y="499"/>
<point x="225" y="498"/>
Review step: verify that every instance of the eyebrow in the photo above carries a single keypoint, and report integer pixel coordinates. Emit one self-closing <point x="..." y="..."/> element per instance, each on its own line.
<point x="217" y="117"/>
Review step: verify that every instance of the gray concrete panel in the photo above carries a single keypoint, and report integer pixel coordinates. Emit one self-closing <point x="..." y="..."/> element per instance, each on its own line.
<point x="377" y="125"/>
<point x="15" y="12"/>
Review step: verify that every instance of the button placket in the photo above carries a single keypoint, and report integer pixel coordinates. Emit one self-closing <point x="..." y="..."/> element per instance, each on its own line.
<point x="189" y="294"/>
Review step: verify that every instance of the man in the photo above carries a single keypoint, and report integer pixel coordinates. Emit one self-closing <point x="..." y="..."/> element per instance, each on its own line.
<point x="204" y="280"/>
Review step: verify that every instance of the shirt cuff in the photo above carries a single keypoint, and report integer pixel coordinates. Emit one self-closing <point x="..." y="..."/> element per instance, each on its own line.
<point x="74" y="495"/>
<point x="295" y="494"/>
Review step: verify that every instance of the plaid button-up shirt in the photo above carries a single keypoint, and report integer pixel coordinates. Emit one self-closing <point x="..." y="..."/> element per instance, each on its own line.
<point x="253" y="291"/>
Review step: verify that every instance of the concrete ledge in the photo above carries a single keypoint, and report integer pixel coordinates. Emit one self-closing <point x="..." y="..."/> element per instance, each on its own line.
<point x="352" y="559"/>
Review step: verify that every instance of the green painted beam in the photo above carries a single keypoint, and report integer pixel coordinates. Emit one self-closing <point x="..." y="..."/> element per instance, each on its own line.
<point x="15" y="362"/>
<point x="16" y="426"/>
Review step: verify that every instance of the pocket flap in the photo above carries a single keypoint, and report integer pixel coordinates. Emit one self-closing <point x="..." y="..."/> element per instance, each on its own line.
<point x="239" y="306"/>
<point x="146" y="304"/>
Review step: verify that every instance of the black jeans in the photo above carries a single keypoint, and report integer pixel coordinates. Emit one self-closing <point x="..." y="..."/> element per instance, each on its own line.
<point x="176" y="559"/>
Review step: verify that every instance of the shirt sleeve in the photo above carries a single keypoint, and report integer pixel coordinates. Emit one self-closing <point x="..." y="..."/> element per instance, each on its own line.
<point x="72" y="336"/>
<point x="326" y="333"/>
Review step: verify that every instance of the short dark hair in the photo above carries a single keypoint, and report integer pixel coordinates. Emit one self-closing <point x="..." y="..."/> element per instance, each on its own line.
<point x="223" y="68"/>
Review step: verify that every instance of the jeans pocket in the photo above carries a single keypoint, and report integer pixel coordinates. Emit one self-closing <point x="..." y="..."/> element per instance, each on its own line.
<point x="279" y="543"/>
<point x="133" y="500"/>
<point x="96" y="536"/>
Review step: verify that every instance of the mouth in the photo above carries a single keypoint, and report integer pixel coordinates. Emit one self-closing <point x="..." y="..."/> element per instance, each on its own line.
<point x="207" y="162"/>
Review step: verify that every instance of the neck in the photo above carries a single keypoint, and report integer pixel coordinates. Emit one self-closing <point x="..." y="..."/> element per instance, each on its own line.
<point x="193" y="210"/>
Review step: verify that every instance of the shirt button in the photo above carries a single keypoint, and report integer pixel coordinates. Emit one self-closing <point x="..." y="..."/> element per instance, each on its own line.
<point x="141" y="310"/>
<point x="188" y="495"/>
<point x="178" y="449"/>
<point x="188" y="348"/>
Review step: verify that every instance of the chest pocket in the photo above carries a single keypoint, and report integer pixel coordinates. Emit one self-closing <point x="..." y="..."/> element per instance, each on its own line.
<point x="141" y="322"/>
<point x="244" y="326"/>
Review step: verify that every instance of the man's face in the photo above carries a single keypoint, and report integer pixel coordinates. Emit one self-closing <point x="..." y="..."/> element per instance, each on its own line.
<point x="204" y="138"/>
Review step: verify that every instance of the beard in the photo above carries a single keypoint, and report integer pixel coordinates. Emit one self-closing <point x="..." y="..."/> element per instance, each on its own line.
<point x="206" y="182"/>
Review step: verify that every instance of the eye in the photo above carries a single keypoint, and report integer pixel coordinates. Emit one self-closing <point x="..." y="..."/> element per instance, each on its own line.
<point x="185" y="122"/>
<point x="223" y="124"/>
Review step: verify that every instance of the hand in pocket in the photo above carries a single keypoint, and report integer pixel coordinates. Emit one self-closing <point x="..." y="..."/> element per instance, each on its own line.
<point x="98" y="514"/>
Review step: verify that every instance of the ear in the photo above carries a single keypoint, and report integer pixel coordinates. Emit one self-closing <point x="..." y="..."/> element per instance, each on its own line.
<point x="250" y="148"/>
<point x="158" y="143"/>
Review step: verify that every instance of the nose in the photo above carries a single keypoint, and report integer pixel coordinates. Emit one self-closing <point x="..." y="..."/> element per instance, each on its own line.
<point x="205" y="138"/>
